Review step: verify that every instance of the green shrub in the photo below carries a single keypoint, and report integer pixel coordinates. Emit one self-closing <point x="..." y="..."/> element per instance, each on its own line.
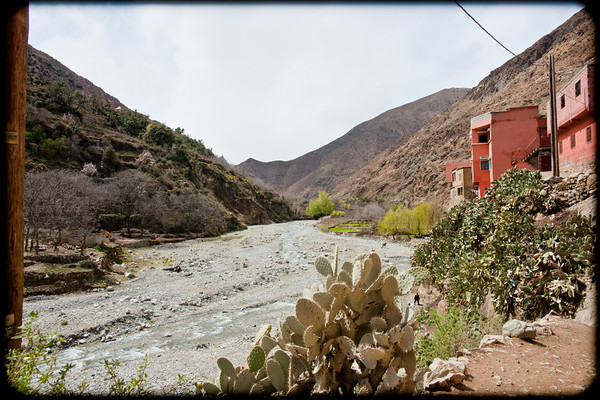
<point x="460" y="327"/>
<point x="320" y="207"/>
<point x="492" y="245"/>
<point x="32" y="369"/>
<point x="36" y="135"/>
<point x="53" y="148"/>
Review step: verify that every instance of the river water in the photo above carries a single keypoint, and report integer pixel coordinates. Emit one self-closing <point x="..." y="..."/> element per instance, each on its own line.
<point x="195" y="301"/>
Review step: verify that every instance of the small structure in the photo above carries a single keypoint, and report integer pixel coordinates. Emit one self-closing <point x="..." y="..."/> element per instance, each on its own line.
<point x="460" y="176"/>
<point x="577" y="140"/>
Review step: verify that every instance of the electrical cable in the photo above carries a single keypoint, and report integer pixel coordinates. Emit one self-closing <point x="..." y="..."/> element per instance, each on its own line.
<point x="492" y="36"/>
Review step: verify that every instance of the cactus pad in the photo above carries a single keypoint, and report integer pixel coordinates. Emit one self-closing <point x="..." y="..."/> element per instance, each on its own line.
<point x="323" y="266"/>
<point x="256" y="358"/>
<point x="309" y="313"/>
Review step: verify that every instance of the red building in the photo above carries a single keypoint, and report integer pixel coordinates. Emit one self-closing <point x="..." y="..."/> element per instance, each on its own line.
<point x="576" y="123"/>
<point x="521" y="138"/>
<point x="516" y="138"/>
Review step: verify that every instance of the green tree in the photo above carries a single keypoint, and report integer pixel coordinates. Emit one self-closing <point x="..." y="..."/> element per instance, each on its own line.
<point x="404" y="221"/>
<point x="320" y="207"/>
<point x="110" y="160"/>
<point x="158" y="134"/>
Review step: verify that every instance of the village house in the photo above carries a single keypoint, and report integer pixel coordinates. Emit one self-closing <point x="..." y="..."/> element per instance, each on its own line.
<point x="576" y="122"/>
<point x="459" y="175"/>
<point x="507" y="139"/>
<point x="521" y="138"/>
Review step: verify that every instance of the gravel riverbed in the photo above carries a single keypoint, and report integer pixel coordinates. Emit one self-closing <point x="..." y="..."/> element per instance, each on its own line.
<point x="195" y="301"/>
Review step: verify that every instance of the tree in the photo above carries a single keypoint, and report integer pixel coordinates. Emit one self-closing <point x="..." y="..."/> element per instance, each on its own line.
<point x="35" y="188"/>
<point x="130" y="193"/>
<point x="320" y="207"/>
<point x="158" y="134"/>
<point x="60" y="200"/>
<point x="409" y="221"/>
<point x="110" y="160"/>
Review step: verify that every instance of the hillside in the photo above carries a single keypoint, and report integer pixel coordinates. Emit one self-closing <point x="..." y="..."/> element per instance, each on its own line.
<point x="330" y="165"/>
<point x="416" y="171"/>
<point x="74" y="125"/>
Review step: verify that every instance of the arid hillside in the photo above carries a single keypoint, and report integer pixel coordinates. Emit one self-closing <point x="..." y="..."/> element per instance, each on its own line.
<point x="330" y="165"/>
<point x="414" y="170"/>
<point x="73" y="125"/>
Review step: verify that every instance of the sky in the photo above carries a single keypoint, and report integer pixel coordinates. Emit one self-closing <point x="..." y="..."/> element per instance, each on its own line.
<point x="274" y="81"/>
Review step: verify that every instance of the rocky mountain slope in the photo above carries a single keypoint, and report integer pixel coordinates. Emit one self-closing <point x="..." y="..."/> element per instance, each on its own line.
<point x="72" y="124"/>
<point x="416" y="171"/>
<point x="330" y="165"/>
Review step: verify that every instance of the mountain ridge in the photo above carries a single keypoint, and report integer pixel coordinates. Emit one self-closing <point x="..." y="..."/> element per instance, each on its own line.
<point x="327" y="166"/>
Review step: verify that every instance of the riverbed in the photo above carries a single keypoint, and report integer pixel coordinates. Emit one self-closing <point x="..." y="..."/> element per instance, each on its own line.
<point x="191" y="302"/>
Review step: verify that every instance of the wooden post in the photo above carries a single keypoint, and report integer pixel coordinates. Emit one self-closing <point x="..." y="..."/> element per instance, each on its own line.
<point x="15" y="28"/>
<point x="553" y="120"/>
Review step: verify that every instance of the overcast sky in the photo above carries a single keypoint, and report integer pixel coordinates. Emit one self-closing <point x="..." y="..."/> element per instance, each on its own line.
<point x="274" y="82"/>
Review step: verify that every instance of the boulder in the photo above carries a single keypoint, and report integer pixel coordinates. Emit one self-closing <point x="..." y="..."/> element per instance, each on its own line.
<point x="489" y="340"/>
<point x="445" y="373"/>
<point x="519" y="329"/>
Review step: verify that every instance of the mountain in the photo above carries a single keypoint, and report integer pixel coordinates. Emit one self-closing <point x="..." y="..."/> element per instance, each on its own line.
<point x="415" y="171"/>
<point x="74" y="125"/>
<point x="330" y="165"/>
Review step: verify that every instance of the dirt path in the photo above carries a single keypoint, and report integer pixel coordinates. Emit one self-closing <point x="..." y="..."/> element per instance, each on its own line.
<point x="561" y="362"/>
<point x="192" y="302"/>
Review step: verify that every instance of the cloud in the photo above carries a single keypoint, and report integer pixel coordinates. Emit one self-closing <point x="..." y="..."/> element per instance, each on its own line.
<point x="277" y="81"/>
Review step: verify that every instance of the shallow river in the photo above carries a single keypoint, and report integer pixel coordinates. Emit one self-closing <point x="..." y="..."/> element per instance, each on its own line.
<point x="195" y="301"/>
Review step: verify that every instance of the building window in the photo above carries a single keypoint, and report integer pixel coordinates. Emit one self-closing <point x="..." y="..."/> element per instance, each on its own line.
<point x="460" y="191"/>
<point x="588" y="134"/>
<point x="485" y="165"/>
<point x="483" y="138"/>
<point x="573" y="143"/>
<point x="577" y="88"/>
<point x="560" y="147"/>
<point x="562" y="101"/>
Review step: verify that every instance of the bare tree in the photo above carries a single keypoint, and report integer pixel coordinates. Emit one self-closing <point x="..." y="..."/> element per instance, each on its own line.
<point x="191" y="211"/>
<point x="58" y="200"/>
<point x="35" y="188"/>
<point x="129" y="192"/>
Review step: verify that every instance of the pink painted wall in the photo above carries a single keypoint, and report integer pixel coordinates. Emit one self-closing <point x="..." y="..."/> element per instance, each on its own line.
<point x="511" y="133"/>
<point x="575" y="118"/>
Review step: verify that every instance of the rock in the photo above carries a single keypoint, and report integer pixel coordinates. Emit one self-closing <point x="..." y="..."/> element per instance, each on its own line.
<point x="591" y="181"/>
<point x="519" y="329"/>
<point x="445" y="373"/>
<point x="489" y="340"/>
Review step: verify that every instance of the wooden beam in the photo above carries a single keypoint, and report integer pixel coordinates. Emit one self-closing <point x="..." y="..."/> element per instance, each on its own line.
<point x="15" y="27"/>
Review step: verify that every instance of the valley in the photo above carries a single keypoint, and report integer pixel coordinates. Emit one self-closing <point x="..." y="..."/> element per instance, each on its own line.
<point x="195" y="301"/>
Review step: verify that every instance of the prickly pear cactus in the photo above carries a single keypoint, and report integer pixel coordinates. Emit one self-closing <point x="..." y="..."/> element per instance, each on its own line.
<point x="349" y="335"/>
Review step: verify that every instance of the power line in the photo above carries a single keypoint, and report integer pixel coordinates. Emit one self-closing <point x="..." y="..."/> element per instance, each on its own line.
<point x="515" y="55"/>
<point x="497" y="41"/>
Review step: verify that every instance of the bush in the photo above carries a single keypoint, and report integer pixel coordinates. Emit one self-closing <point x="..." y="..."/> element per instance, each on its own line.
<point x="492" y="245"/>
<point x="320" y="207"/>
<point x="460" y="327"/>
<point x="32" y="369"/>
<point x="452" y="331"/>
